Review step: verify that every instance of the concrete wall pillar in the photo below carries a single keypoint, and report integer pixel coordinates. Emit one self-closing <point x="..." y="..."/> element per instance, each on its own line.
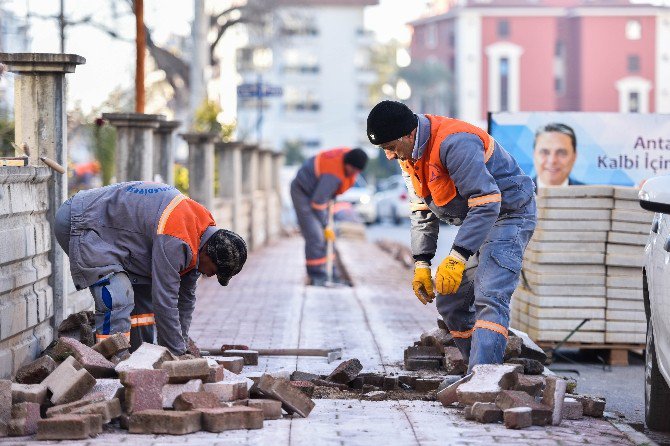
<point x="164" y="147"/>
<point x="134" y="145"/>
<point x="230" y="180"/>
<point x="275" y="219"/>
<point x="41" y="122"/>
<point x="201" y="167"/>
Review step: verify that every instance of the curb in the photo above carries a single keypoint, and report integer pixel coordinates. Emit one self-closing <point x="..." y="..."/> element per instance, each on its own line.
<point x="638" y="438"/>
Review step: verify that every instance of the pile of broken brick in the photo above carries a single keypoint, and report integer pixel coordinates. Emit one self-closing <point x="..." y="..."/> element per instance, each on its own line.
<point x="521" y="392"/>
<point x="74" y="390"/>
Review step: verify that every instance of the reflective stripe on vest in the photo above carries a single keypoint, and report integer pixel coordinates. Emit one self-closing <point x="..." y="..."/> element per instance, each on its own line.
<point x="429" y="176"/>
<point x="332" y="162"/>
<point x="140" y="320"/>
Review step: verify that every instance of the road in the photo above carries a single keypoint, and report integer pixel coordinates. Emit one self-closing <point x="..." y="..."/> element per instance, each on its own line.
<point x="623" y="387"/>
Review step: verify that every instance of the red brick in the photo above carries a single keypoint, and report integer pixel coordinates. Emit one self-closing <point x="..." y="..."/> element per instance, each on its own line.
<point x="228" y="390"/>
<point x="192" y="349"/>
<point x="186" y="370"/>
<point x="69" y="382"/>
<point x="234" y="364"/>
<point x="293" y="400"/>
<point x="171" y="422"/>
<point x="24" y="419"/>
<point x="593" y="406"/>
<point x="112" y="345"/>
<point x="231" y="418"/>
<point x="271" y="408"/>
<point x="36" y="371"/>
<point x="216" y="374"/>
<point x="486" y="413"/>
<point x="64" y="409"/>
<point x="531" y="384"/>
<point x="518" y="417"/>
<point x="541" y="414"/>
<point x="143" y="389"/>
<point x="390" y="383"/>
<point x="92" y="361"/>
<point x="5" y="400"/>
<point x="250" y="357"/>
<point x="346" y="371"/>
<point x="29" y="393"/>
<point x="453" y="361"/>
<point x="64" y="427"/>
<point x="196" y="400"/>
<point x="553" y="395"/>
<point x="225" y="347"/>
<point x="426" y="384"/>
<point x="170" y="392"/>
<point x="108" y="409"/>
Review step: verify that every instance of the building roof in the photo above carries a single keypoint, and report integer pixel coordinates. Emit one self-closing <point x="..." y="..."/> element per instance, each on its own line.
<point x="327" y="2"/>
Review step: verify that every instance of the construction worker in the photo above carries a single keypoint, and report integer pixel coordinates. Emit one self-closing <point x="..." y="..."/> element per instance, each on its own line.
<point x="140" y="248"/>
<point x="318" y="181"/>
<point x="457" y="173"/>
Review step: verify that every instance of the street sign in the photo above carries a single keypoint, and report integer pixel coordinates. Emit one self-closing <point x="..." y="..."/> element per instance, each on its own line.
<point x="258" y="90"/>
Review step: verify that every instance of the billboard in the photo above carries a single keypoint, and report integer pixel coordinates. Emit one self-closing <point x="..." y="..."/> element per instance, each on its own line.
<point x="611" y="148"/>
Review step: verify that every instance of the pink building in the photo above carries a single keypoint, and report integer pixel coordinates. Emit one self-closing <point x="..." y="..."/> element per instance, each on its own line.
<point x="547" y="55"/>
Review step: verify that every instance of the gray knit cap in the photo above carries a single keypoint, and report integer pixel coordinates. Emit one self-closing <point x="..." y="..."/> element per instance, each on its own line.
<point x="229" y="252"/>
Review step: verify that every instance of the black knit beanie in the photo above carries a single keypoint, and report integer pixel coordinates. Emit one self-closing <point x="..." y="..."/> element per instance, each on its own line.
<point x="228" y="251"/>
<point x="357" y="158"/>
<point x="389" y="120"/>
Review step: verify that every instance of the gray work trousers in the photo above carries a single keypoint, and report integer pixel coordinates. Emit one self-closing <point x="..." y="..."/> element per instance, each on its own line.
<point x="312" y="231"/>
<point x="120" y="307"/>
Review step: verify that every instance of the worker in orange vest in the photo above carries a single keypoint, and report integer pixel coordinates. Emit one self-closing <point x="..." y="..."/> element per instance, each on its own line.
<point x="319" y="180"/>
<point x="457" y="173"/>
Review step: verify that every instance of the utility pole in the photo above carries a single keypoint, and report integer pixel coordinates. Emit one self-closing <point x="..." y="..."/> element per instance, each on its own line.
<point x="140" y="45"/>
<point x="62" y="24"/>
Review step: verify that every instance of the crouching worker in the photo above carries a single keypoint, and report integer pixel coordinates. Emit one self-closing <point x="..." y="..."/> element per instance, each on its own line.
<point x="318" y="181"/>
<point x="140" y="248"/>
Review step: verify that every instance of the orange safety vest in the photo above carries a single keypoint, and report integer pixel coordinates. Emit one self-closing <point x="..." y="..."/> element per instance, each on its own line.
<point x="186" y="220"/>
<point x="332" y="162"/>
<point x="429" y="176"/>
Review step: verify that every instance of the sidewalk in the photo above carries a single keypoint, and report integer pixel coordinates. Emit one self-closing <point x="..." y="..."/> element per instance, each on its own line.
<point x="267" y="306"/>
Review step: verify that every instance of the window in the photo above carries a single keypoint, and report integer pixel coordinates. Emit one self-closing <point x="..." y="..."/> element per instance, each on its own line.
<point x="633" y="30"/>
<point x="634" y="102"/>
<point x="559" y="49"/>
<point x="503" y="28"/>
<point x="504" y="84"/>
<point x="558" y="85"/>
<point x="430" y="36"/>
<point x="633" y="63"/>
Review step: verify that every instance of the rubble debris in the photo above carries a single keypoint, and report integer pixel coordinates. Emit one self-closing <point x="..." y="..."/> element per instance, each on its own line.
<point x="216" y="373"/>
<point x="65" y="409"/>
<point x="68" y="382"/>
<point x="143" y="389"/>
<point x="530" y="366"/>
<point x="513" y="347"/>
<point x="293" y="400"/>
<point x="66" y="427"/>
<point x="553" y="396"/>
<point x="29" y="393"/>
<point x="593" y="406"/>
<point x="231" y="363"/>
<point x="303" y="376"/>
<point x="5" y="400"/>
<point x="426" y="384"/>
<point x="531" y="384"/>
<point x="487" y="381"/>
<point x="518" y="417"/>
<point x="228" y="390"/>
<point x="170" y="422"/>
<point x="108" y="409"/>
<point x="185" y="370"/>
<point x="453" y="361"/>
<point x="36" y="371"/>
<point x="324" y="383"/>
<point x="307" y="387"/>
<point x="24" y="419"/>
<point x="231" y="418"/>
<point x="377" y="395"/>
<point x="529" y="349"/>
<point x="271" y="408"/>
<point x="449" y="395"/>
<point x="196" y="400"/>
<point x="541" y="414"/>
<point x="79" y="326"/>
<point x="91" y="360"/>
<point x="437" y="337"/>
<point x="390" y="383"/>
<point x="109" y="387"/>
<point x="146" y="357"/>
<point x="423" y="358"/>
<point x="192" y="349"/>
<point x="572" y="409"/>
<point x="250" y="357"/>
<point x="486" y="413"/>
<point x="112" y="345"/>
<point x="171" y="391"/>
<point x="346" y="371"/>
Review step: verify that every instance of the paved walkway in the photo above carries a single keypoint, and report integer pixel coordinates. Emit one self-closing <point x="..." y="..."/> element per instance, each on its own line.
<point x="267" y="306"/>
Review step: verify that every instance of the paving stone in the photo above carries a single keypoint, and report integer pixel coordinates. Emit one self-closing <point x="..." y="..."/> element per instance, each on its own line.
<point x="192" y="349"/>
<point x="68" y="382"/>
<point x="112" y="345"/>
<point x="449" y="395"/>
<point x="170" y="422"/>
<point x="437" y="337"/>
<point x="390" y="383"/>
<point x="305" y="387"/>
<point x="324" y="383"/>
<point x="346" y="371"/>
<point x="171" y="391"/>
<point x="250" y="357"/>
<point x="92" y="361"/>
<point x="29" y="393"/>
<point x="24" y="419"/>
<point x="487" y="381"/>
<point x="109" y="387"/>
<point x="530" y="366"/>
<point x="376" y="395"/>
<point x="76" y="320"/>
<point x="228" y="390"/>
<point x="531" y="384"/>
<point x="303" y="376"/>
<point x="226" y="347"/>
<point x="185" y="370"/>
<point x="143" y="389"/>
<point x="64" y="427"/>
<point x="373" y="379"/>
<point x="232" y="418"/>
<point x="196" y="400"/>
<point x="147" y="357"/>
<point x="529" y="349"/>
<point x="65" y="409"/>
<point x="427" y="384"/>
<point x="357" y="383"/>
<point x="423" y="358"/>
<point x="572" y="409"/>
<point x="486" y="413"/>
<point x="36" y="371"/>
<point x="467" y="413"/>
<point x="518" y="417"/>
<point x="593" y="406"/>
<point x="513" y="347"/>
<point x="216" y="373"/>
<point x="94" y="423"/>
<point x="508" y="399"/>
<point x="553" y="396"/>
<point x="108" y="409"/>
<point x="414" y="364"/>
<point x="234" y="364"/>
<point x="453" y="361"/>
<point x="271" y="408"/>
<point x="293" y="400"/>
<point x="5" y="400"/>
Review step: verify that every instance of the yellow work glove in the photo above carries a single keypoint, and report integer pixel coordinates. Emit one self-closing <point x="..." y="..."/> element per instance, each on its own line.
<point x="423" y="282"/>
<point x="450" y="273"/>
<point x="329" y="234"/>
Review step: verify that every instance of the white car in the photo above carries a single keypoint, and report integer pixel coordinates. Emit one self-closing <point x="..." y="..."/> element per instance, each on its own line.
<point x="360" y="197"/>
<point x="392" y="200"/>
<point x="655" y="196"/>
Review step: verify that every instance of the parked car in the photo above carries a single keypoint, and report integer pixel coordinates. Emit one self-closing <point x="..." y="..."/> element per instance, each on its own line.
<point x="392" y="200"/>
<point x="360" y="197"/>
<point x="655" y="196"/>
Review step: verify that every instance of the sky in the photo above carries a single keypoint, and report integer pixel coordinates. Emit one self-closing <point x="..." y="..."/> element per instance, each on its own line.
<point x="110" y="63"/>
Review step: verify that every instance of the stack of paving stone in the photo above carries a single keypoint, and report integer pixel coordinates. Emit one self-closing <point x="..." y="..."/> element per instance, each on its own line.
<point x="563" y="280"/>
<point x="625" y="319"/>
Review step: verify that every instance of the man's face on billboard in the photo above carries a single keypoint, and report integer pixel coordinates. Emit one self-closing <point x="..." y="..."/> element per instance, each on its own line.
<point x="553" y="157"/>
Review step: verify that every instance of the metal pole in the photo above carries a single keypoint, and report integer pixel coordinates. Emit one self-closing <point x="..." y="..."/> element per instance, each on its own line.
<point x="140" y="44"/>
<point x="61" y="24"/>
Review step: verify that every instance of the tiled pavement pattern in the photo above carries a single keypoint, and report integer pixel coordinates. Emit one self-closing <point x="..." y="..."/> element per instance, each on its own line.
<point x="268" y="307"/>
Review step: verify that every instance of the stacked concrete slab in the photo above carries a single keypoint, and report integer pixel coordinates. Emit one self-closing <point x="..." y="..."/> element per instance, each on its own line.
<point x="625" y="319"/>
<point x="563" y="279"/>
